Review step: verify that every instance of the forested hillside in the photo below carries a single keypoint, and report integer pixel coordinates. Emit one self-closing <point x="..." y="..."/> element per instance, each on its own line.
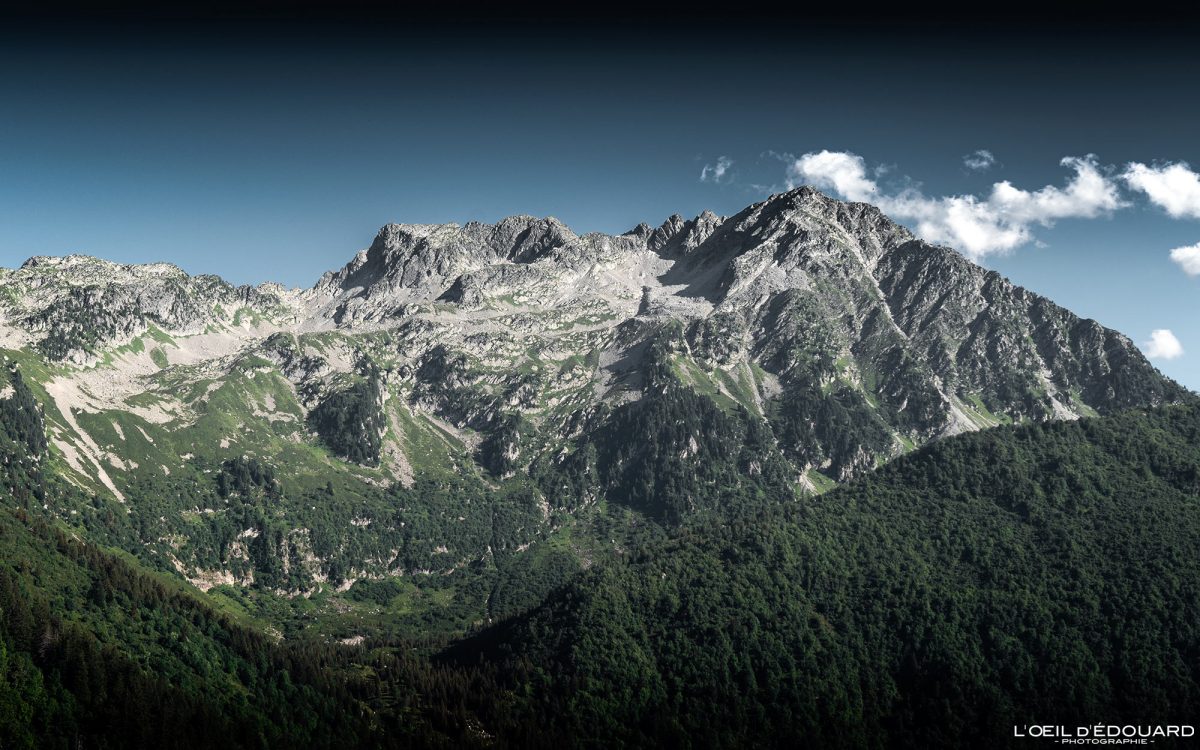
<point x="1048" y="571"/>
<point x="97" y="652"/>
<point x="1045" y="574"/>
<point x="785" y="476"/>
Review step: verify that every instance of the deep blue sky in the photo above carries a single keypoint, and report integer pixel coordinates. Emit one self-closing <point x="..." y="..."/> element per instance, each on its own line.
<point x="274" y="153"/>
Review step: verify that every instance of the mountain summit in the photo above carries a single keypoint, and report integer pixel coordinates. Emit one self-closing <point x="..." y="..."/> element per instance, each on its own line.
<point x="800" y="303"/>
<point x="833" y="337"/>
<point x="641" y="456"/>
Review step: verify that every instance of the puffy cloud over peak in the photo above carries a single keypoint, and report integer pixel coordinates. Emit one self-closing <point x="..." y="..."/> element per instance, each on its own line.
<point x="839" y="171"/>
<point x="978" y="226"/>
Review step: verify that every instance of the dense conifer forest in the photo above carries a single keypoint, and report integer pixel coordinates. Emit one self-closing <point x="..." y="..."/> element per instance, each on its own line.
<point x="1048" y="571"/>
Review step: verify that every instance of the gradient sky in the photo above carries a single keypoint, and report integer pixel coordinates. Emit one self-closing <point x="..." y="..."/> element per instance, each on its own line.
<point x="274" y="152"/>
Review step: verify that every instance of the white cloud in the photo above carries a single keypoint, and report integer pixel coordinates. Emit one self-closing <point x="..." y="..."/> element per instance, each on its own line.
<point x="716" y="172"/>
<point x="979" y="160"/>
<point x="1088" y="195"/>
<point x="839" y="171"/>
<point x="1188" y="259"/>
<point x="1163" y="345"/>
<point x="977" y="226"/>
<point x="1173" y="187"/>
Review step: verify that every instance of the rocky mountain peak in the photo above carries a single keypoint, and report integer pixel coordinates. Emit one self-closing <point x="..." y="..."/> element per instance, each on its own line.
<point x="467" y="264"/>
<point x="826" y="318"/>
<point x="85" y="269"/>
<point x="419" y="259"/>
<point x="71" y="307"/>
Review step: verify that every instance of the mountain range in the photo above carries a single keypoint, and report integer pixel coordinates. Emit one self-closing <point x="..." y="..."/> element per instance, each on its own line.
<point x="494" y="439"/>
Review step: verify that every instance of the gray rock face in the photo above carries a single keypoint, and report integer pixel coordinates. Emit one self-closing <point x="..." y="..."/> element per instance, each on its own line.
<point x="77" y="305"/>
<point x="818" y="300"/>
<point x="852" y="339"/>
<point x="980" y="333"/>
